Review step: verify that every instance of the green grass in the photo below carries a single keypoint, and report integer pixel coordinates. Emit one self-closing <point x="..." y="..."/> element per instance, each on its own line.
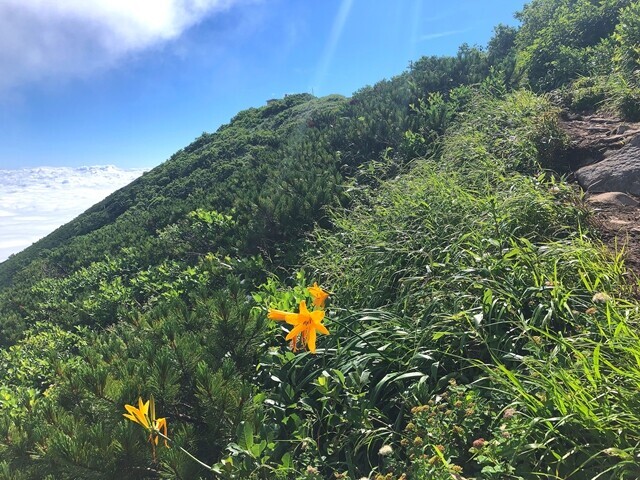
<point x="465" y="302"/>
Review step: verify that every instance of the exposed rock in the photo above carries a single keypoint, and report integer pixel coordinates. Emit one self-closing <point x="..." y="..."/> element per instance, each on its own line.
<point x="619" y="171"/>
<point x="619" y="222"/>
<point x="599" y="134"/>
<point x="609" y="147"/>
<point x="622" y="129"/>
<point x="614" y="198"/>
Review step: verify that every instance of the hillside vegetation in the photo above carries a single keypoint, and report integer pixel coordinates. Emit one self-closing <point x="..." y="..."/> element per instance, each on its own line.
<point x="477" y="326"/>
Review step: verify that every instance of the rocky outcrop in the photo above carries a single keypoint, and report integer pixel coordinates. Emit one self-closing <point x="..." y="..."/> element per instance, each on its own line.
<point x="604" y="157"/>
<point x="618" y="171"/>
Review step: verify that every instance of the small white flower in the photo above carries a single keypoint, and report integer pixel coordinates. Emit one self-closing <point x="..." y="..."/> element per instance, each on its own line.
<point x="600" y="297"/>
<point x="385" y="450"/>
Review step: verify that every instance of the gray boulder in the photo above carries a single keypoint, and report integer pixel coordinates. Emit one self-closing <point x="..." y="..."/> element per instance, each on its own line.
<point x="613" y="198"/>
<point x="618" y="172"/>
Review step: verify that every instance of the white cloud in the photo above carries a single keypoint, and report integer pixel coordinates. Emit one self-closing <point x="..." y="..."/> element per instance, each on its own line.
<point x="45" y="39"/>
<point x="36" y="201"/>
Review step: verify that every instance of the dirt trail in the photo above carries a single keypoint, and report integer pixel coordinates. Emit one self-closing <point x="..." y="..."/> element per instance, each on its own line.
<point x="617" y="216"/>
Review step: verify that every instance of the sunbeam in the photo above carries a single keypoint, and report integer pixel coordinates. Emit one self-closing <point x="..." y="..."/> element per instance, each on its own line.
<point x="330" y="47"/>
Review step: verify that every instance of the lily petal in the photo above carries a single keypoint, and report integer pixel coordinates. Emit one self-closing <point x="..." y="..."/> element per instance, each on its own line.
<point x="161" y="426"/>
<point x="141" y="413"/>
<point x="321" y="328"/>
<point x="130" y="417"/>
<point x="130" y="409"/>
<point x="143" y="407"/>
<point x="297" y="330"/>
<point x="312" y="340"/>
<point x="277" y="314"/>
<point x="292" y="318"/>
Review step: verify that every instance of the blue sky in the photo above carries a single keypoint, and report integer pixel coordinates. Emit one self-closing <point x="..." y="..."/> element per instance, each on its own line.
<point x="94" y="82"/>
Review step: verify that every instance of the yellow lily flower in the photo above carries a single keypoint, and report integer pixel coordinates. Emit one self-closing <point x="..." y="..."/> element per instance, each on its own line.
<point x="148" y="420"/>
<point x="319" y="295"/>
<point x="305" y="325"/>
<point x="140" y="414"/>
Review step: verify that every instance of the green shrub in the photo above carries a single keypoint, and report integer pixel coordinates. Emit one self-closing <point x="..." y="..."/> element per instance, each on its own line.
<point x="586" y="94"/>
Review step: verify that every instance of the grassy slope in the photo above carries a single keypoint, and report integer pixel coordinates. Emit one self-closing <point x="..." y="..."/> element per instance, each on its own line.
<point x="493" y="309"/>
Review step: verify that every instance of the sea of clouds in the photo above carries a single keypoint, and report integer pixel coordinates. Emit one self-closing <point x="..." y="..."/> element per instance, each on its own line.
<point x="36" y="201"/>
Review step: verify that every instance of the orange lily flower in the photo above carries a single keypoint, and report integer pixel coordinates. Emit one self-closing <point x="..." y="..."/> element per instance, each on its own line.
<point x="306" y="324"/>
<point x="319" y="295"/>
